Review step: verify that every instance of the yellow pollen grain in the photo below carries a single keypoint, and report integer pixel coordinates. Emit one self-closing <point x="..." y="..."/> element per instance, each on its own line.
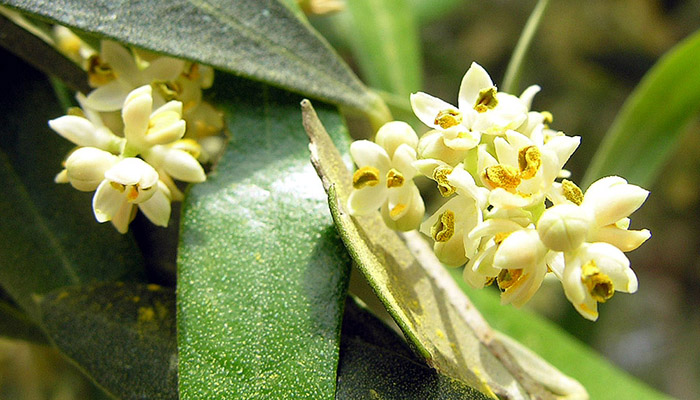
<point x="572" y="192"/>
<point x="486" y="100"/>
<point x="548" y="117"/>
<point x="599" y="284"/>
<point x="118" y="186"/>
<point x="502" y="176"/>
<point x="99" y="72"/>
<point x="397" y="210"/>
<point x="133" y="193"/>
<point x="507" y="278"/>
<point x="440" y="176"/>
<point x="169" y="89"/>
<point x="448" y="118"/>
<point x="365" y="176"/>
<point x="529" y="160"/>
<point x="394" y="179"/>
<point x="500" y="237"/>
<point x="444" y="227"/>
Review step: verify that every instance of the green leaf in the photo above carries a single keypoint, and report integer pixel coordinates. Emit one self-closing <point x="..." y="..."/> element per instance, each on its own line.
<point x="646" y="130"/>
<point x="436" y="318"/>
<point x="375" y="363"/>
<point x="262" y="273"/>
<point x="16" y="325"/>
<point x="430" y="10"/>
<point x="600" y="378"/>
<point x="385" y="42"/>
<point x="261" y="40"/>
<point x="49" y="237"/>
<point x="122" y="335"/>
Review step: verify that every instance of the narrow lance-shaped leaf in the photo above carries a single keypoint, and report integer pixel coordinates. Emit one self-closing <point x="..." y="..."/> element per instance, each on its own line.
<point x="376" y="363"/>
<point x="434" y="315"/>
<point x="600" y="378"/>
<point x="262" y="274"/>
<point x="385" y="42"/>
<point x="49" y="237"/>
<point x="652" y="119"/>
<point x="122" y="335"/>
<point x="261" y="40"/>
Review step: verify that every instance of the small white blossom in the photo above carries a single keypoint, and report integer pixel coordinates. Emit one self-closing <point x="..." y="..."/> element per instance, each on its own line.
<point x="86" y="167"/>
<point x="143" y="128"/>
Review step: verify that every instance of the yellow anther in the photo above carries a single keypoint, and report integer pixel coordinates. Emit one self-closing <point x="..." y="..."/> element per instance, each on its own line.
<point x="599" y="284"/>
<point x="169" y="89"/>
<point x="448" y="118"/>
<point x="572" y="192"/>
<point x="529" y="160"/>
<point x="444" y="227"/>
<point x="486" y="100"/>
<point x="192" y="73"/>
<point x="76" y="111"/>
<point x="365" y="176"/>
<point x="502" y="176"/>
<point x="500" y="237"/>
<point x="133" y="193"/>
<point x="99" y="72"/>
<point x="394" y="178"/>
<point x="118" y="186"/>
<point x="548" y="117"/>
<point x="440" y="176"/>
<point x="397" y="210"/>
<point x="508" y="278"/>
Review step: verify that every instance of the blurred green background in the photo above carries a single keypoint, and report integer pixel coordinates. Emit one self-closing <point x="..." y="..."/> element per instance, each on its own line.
<point x="587" y="56"/>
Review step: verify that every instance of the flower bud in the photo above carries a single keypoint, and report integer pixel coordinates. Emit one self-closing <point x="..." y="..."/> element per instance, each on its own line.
<point x="86" y="167"/>
<point x="432" y="145"/>
<point x="393" y="134"/>
<point x="564" y="227"/>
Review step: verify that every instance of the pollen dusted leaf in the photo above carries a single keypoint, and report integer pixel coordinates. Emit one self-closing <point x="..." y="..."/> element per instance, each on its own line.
<point x="262" y="273"/>
<point x="436" y="318"/>
<point x="122" y="335"/>
<point x="375" y="363"/>
<point x="261" y="40"/>
<point x="49" y="237"/>
<point x="651" y="122"/>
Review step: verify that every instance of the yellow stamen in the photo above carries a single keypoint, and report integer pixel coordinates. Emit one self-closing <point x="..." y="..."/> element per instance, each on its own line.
<point x="500" y="237"/>
<point x="99" y="72"/>
<point x="192" y="73"/>
<point x="486" y="100"/>
<point x="133" y="193"/>
<point x="448" y="118"/>
<point x="365" y="176"/>
<point x="508" y="278"/>
<point x="548" y="117"/>
<point x="599" y="284"/>
<point x="169" y="89"/>
<point x="118" y="186"/>
<point x="444" y="227"/>
<point x="529" y="160"/>
<point x="394" y="178"/>
<point x="572" y="192"/>
<point x="502" y="176"/>
<point x="397" y="210"/>
<point x="440" y="176"/>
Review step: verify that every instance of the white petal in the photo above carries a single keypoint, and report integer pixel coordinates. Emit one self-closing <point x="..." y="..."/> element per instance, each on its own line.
<point x="505" y="152"/>
<point x="366" y="153"/>
<point x="427" y="107"/>
<point x="564" y="227"/>
<point x="475" y="80"/>
<point x="613" y="262"/>
<point x="528" y="94"/>
<point x="393" y="134"/>
<point x="107" y="201"/>
<point x="403" y="160"/>
<point x="366" y="200"/>
<point x="182" y="166"/>
<point x="133" y="171"/>
<point x="412" y="216"/>
<point x="501" y="198"/>
<point x="432" y="145"/>
<point x="465" y="185"/>
<point x="563" y="147"/>
<point x="451" y="252"/>
<point x="494" y="226"/>
<point x="83" y="132"/>
<point x="157" y="208"/>
<point x="162" y="69"/>
<point x="109" y="97"/>
<point x="463" y="139"/>
<point x="171" y="106"/>
<point x="120" y="59"/>
<point x="86" y="167"/>
<point x="123" y="217"/>
<point x="612" y="200"/>
<point x="520" y="250"/>
<point x="136" y="114"/>
<point x="621" y="238"/>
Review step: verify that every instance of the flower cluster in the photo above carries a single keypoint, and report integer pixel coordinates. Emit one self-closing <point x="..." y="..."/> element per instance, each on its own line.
<point x="510" y="216"/>
<point x="130" y="132"/>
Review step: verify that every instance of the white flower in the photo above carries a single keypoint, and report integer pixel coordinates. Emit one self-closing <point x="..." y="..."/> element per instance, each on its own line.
<point x="524" y="168"/>
<point x="451" y="223"/>
<point x="143" y="128"/>
<point x="87" y="130"/>
<point x="131" y="182"/>
<point x="592" y="274"/>
<point x="86" y="167"/>
<point x="122" y="75"/>
<point x="385" y="177"/>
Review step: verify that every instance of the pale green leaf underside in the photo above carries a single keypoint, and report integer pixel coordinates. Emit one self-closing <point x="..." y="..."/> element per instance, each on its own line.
<point x="121" y="334"/>
<point x="648" y="127"/>
<point x="262" y="274"/>
<point x="385" y="42"/>
<point x="48" y="237"/>
<point x="261" y="40"/>
<point x="438" y="322"/>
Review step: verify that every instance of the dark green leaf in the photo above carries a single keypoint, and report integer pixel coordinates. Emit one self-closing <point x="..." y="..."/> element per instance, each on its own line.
<point x="601" y="379"/>
<point x="122" y="335"/>
<point x="435" y="317"/>
<point x="16" y="325"/>
<point x="646" y="130"/>
<point x="261" y="40"/>
<point x="49" y="237"/>
<point x="375" y="363"/>
<point x="262" y="274"/>
<point x="385" y="43"/>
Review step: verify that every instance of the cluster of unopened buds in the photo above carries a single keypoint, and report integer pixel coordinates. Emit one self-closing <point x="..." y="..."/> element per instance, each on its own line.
<point x="510" y="214"/>
<point x="143" y="126"/>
